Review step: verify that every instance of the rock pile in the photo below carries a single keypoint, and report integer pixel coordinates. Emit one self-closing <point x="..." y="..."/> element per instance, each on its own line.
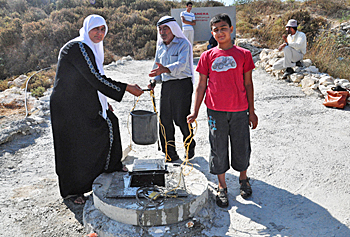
<point x="15" y="98"/>
<point x="252" y="45"/>
<point x="313" y="82"/>
<point x="38" y="110"/>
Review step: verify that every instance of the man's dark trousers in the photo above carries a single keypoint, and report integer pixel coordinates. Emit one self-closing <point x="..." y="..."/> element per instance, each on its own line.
<point x="175" y="106"/>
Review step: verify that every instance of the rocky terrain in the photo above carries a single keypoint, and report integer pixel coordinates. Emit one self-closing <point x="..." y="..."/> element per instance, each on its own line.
<point x="299" y="165"/>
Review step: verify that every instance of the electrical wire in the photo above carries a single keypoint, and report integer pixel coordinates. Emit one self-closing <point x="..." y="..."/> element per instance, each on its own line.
<point x="25" y="100"/>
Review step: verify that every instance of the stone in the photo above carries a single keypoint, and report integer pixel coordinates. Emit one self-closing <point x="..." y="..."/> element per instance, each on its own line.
<point x="268" y="68"/>
<point x="314" y="86"/>
<point x="265" y="53"/>
<point x="307" y="82"/>
<point x="346" y="86"/>
<point x="326" y="80"/>
<point x="127" y="58"/>
<point x="296" y="77"/>
<point x="340" y="82"/>
<point x="324" y="88"/>
<point x="278" y="73"/>
<point x="272" y="61"/>
<point x="19" y="81"/>
<point x="297" y="69"/>
<point x="256" y="58"/>
<point x="316" y="75"/>
<point x="307" y="62"/>
<point x="312" y="69"/>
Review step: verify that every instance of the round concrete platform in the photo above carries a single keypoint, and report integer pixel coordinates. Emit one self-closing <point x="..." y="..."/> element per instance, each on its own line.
<point x="108" y="189"/>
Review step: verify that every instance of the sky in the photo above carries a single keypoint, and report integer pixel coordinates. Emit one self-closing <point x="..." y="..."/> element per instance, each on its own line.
<point x="227" y="2"/>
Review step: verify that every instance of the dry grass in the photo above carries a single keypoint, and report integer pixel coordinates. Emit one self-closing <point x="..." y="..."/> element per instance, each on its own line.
<point x="266" y="20"/>
<point x="330" y="55"/>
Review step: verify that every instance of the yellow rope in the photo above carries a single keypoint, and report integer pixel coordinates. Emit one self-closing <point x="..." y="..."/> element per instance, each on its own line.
<point x="186" y="143"/>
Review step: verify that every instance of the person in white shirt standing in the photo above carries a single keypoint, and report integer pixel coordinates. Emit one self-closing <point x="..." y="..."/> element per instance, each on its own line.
<point x="188" y="21"/>
<point x="294" y="48"/>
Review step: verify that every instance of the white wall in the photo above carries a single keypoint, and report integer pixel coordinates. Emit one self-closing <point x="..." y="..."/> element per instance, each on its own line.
<point x="203" y="16"/>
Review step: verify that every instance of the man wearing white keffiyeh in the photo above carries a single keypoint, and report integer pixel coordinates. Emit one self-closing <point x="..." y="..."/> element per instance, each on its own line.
<point x="173" y="67"/>
<point x="85" y="130"/>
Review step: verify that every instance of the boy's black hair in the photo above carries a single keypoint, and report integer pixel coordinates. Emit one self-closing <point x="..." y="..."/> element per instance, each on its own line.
<point x="220" y="17"/>
<point x="188" y="3"/>
<point x="295" y="28"/>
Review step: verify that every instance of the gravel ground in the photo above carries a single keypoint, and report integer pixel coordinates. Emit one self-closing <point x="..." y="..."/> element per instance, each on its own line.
<point x="299" y="170"/>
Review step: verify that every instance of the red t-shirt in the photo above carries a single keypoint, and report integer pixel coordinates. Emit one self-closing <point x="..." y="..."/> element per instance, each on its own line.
<point x="225" y="68"/>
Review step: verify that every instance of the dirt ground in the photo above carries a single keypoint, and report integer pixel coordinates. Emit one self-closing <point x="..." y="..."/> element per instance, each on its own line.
<point x="299" y="170"/>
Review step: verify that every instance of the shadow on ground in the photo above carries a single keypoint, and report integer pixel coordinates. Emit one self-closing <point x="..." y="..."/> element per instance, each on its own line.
<point x="76" y="209"/>
<point x="274" y="210"/>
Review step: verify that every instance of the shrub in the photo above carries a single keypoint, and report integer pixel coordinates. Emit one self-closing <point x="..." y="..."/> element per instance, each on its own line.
<point x="4" y="84"/>
<point x="143" y="5"/>
<point x="147" y="51"/>
<point x="19" y="6"/>
<point x="38" y="91"/>
<point x="34" y="14"/>
<point x="43" y="79"/>
<point x="11" y="33"/>
<point x="329" y="8"/>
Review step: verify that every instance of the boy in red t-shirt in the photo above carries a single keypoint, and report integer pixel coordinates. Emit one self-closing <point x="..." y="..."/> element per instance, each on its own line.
<point x="225" y="77"/>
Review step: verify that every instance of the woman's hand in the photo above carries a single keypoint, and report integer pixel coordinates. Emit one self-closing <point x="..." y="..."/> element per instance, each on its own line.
<point x="134" y="89"/>
<point x="152" y="84"/>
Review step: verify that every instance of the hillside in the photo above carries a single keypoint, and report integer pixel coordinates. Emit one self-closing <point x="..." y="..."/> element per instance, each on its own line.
<point x="32" y="32"/>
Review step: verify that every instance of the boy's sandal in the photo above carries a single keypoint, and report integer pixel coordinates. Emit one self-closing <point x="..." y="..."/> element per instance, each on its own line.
<point x="245" y="189"/>
<point x="221" y="198"/>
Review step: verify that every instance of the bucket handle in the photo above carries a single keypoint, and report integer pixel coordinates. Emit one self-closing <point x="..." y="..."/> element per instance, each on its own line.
<point x="153" y="100"/>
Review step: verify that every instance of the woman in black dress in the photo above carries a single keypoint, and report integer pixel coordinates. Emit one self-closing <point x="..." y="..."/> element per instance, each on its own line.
<point x="85" y="130"/>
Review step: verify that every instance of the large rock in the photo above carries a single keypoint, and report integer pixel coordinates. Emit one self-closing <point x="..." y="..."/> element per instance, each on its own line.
<point x="15" y="98"/>
<point x="251" y="44"/>
<point x="311" y="69"/>
<point x="326" y="80"/>
<point x="324" y="88"/>
<point x="296" y="77"/>
<point x="264" y="54"/>
<point x="18" y="82"/>
<point x="308" y="81"/>
<point x="307" y="62"/>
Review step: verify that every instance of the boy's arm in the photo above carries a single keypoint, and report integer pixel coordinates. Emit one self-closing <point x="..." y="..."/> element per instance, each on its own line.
<point x="248" y="84"/>
<point x="200" y="92"/>
<point x="188" y="22"/>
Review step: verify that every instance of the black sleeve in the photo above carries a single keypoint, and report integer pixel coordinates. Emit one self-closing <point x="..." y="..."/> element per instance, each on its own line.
<point x="81" y="56"/>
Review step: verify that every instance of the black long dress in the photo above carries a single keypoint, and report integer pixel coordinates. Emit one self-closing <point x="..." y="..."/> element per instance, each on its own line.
<point x="85" y="143"/>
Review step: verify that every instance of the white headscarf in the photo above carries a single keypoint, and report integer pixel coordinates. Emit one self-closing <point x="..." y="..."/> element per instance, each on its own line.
<point x="91" y="22"/>
<point x="176" y="30"/>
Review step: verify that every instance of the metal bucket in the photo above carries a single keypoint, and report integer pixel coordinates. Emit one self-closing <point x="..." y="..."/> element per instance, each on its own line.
<point x="144" y="127"/>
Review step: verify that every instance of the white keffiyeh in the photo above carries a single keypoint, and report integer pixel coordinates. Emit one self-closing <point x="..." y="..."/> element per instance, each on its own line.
<point x="176" y="30"/>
